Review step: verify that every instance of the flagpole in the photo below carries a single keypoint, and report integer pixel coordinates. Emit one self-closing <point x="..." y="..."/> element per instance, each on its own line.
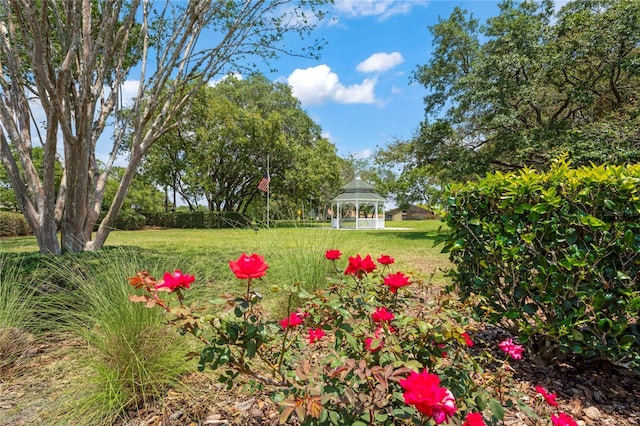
<point x="268" y="191"/>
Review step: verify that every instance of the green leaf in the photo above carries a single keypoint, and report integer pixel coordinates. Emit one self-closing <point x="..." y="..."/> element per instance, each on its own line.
<point x="610" y="204"/>
<point x="251" y="348"/>
<point x="381" y="417"/>
<point x="423" y="327"/>
<point x="481" y="402"/>
<point x="577" y="335"/>
<point x="627" y="341"/>
<point x="352" y="342"/>
<point x="598" y="300"/>
<point x="622" y="276"/>
<point x="528" y="237"/>
<point x="530" y="308"/>
<point x="414" y="365"/>
<point x="593" y="221"/>
<point x="540" y="208"/>
<point x="496" y="408"/>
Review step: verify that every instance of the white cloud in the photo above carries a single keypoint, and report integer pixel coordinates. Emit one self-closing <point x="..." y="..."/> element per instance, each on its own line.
<point x="379" y="62"/>
<point x="129" y="90"/>
<point x="317" y="85"/>
<point x="362" y="155"/>
<point x="381" y="8"/>
<point x="214" y="82"/>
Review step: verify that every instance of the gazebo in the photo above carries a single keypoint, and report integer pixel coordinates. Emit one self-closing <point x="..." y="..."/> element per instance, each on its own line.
<point x="360" y="195"/>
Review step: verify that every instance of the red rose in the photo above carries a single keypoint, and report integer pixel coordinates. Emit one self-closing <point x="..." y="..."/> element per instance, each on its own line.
<point x="382" y="314"/>
<point x="395" y="281"/>
<point x="247" y="267"/>
<point x="385" y="259"/>
<point x="294" y="319"/>
<point x="474" y="419"/>
<point x="549" y="397"/>
<point x="315" y="334"/>
<point x="358" y="267"/>
<point x="333" y="254"/>
<point x="171" y="282"/>
<point x="467" y="339"/>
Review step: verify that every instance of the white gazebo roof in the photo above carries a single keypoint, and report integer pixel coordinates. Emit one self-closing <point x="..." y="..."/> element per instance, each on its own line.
<point x="358" y="190"/>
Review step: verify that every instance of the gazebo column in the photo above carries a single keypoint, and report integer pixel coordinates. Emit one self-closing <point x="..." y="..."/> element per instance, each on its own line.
<point x="357" y="214"/>
<point x="376" y="213"/>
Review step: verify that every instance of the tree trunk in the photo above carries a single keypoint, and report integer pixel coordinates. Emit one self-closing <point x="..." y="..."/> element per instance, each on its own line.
<point x="105" y="226"/>
<point x="43" y="229"/>
<point x="74" y="236"/>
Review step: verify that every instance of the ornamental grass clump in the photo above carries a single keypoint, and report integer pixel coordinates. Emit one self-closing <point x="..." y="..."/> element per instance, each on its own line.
<point x="18" y="306"/>
<point x="375" y="346"/>
<point x="131" y="355"/>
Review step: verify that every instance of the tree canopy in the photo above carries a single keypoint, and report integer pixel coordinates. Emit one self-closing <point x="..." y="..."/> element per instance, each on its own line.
<point x="219" y="152"/>
<point x="62" y="68"/>
<point x="526" y="86"/>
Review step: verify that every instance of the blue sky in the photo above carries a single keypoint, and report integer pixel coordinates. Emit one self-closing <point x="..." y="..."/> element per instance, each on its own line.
<point x="359" y="91"/>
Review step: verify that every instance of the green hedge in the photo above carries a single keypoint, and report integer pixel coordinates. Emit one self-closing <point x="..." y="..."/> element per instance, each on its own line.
<point x="199" y="219"/>
<point x="127" y="220"/>
<point x="297" y="223"/>
<point x="13" y="225"/>
<point x="553" y="256"/>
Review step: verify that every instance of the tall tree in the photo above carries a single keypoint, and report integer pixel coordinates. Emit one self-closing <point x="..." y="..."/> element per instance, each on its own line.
<point x="143" y="196"/>
<point x="529" y="84"/>
<point x="220" y="151"/>
<point x="72" y="58"/>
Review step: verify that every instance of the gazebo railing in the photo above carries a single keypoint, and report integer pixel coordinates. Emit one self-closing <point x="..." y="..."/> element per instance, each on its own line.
<point x="360" y="223"/>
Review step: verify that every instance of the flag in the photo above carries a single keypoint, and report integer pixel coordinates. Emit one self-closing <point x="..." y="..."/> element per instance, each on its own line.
<point x="264" y="183"/>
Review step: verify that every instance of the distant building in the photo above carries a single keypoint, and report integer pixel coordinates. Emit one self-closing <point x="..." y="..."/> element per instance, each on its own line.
<point x="410" y="213"/>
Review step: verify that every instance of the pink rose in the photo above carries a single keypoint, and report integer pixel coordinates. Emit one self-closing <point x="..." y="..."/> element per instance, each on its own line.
<point x="513" y="350"/>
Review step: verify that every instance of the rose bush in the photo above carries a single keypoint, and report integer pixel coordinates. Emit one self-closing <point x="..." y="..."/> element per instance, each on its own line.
<point x="368" y="349"/>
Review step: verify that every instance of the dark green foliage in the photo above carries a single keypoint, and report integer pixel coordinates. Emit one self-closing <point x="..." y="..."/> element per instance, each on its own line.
<point x="197" y="219"/>
<point x="553" y="256"/>
<point x="518" y="90"/>
<point x="127" y="220"/>
<point x="13" y="224"/>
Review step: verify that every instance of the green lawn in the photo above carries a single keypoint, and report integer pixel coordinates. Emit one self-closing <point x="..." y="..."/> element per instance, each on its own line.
<point x="206" y="252"/>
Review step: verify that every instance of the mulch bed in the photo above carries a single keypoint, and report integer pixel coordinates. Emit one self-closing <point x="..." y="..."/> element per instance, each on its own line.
<point x="595" y="393"/>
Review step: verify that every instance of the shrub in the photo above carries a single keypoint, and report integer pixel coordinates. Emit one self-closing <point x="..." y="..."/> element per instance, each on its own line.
<point x="127" y="220"/>
<point x="197" y="219"/>
<point x="371" y="347"/>
<point x="13" y="225"/>
<point x="553" y="256"/>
